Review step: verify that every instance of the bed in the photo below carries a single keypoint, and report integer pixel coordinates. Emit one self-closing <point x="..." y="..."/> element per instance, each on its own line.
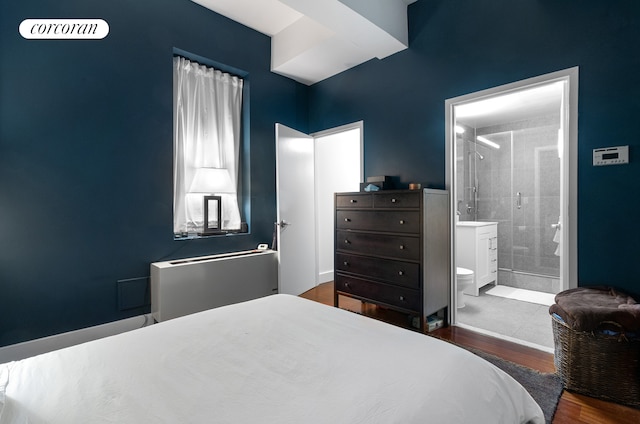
<point x="278" y="359"/>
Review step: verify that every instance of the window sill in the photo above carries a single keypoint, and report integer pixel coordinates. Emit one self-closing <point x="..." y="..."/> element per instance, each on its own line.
<point x="223" y="233"/>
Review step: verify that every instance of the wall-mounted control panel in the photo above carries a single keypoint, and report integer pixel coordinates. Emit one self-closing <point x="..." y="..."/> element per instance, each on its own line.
<point x="611" y="156"/>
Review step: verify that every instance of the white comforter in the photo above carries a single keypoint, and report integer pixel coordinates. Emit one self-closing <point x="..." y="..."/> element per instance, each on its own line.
<point x="279" y="359"/>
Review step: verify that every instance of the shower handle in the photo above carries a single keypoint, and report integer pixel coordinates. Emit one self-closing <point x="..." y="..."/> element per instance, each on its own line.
<point x="519" y="200"/>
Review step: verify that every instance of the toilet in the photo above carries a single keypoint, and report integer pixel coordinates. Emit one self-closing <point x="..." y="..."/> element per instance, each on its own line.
<point x="464" y="278"/>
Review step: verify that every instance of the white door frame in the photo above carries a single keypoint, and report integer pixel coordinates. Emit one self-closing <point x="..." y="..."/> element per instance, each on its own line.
<point x="569" y="189"/>
<point x="323" y="275"/>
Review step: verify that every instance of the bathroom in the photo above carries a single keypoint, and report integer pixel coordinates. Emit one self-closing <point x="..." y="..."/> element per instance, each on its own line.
<point x="508" y="177"/>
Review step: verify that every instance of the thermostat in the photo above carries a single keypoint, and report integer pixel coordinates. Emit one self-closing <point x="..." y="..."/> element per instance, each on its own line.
<point x="611" y="156"/>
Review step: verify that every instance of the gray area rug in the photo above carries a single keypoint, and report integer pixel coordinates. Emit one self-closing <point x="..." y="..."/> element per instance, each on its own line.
<point x="545" y="388"/>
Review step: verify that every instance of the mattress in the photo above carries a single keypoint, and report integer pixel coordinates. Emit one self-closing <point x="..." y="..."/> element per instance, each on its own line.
<point x="279" y="359"/>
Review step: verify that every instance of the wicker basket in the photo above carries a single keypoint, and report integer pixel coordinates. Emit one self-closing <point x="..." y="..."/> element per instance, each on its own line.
<point x="598" y="365"/>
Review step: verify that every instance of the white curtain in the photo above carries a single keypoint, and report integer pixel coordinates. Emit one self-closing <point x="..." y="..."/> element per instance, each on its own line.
<point x="207" y="111"/>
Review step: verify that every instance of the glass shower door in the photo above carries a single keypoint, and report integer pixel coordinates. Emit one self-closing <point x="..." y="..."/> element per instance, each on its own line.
<point x="495" y="191"/>
<point x="519" y="187"/>
<point x="536" y="203"/>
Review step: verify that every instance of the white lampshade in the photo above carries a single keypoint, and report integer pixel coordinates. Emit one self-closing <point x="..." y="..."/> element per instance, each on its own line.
<point x="211" y="180"/>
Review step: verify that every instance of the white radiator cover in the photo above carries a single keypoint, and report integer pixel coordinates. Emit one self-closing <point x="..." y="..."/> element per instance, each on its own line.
<point x="185" y="286"/>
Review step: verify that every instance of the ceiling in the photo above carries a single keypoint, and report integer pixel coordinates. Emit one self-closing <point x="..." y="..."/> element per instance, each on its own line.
<point x="541" y="100"/>
<point x="312" y="40"/>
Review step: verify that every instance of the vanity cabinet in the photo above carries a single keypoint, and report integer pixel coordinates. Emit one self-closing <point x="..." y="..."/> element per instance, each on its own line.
<point x="477" y="250"/>
<point x="392" y="249"/>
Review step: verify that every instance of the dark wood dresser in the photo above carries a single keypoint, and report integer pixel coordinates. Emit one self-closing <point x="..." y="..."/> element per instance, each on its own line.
<point x="392" y="249"/>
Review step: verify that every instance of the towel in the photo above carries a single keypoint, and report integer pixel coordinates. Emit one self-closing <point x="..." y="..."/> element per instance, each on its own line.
<point x="557" y="238"/>
<point x="597" y="308"/>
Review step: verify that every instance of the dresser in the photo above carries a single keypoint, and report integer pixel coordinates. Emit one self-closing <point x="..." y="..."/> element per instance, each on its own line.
<point x="392" y="249"/>
<point x="477" y="250"/>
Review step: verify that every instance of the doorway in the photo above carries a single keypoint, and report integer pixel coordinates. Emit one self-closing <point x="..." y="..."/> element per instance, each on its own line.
<point x="309" y="170"/>
<point x="511" y="165"/>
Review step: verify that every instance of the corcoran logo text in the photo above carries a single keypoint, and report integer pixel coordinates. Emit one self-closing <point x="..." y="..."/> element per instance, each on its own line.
<point x="64" y="29"/>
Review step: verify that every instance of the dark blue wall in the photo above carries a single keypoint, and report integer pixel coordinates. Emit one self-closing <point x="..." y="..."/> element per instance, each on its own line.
<point x="86" y="155"/>
<point x="86" y="143"/>
<point x="462" y="46"/>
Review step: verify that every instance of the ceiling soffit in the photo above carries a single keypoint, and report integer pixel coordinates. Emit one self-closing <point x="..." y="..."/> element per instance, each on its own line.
<point x="313" y="40"/>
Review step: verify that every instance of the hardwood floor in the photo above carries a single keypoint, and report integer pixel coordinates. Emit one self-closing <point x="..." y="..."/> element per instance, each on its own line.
<point x="572" y="408"/>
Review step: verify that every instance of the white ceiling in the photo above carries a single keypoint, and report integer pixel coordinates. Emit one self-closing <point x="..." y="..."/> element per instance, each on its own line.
<point x="514" y="106"/>
<point x="312" y="40"/>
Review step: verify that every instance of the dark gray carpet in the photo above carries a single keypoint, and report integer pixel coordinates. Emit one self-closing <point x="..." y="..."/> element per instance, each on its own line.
<point x="546" y="389"/>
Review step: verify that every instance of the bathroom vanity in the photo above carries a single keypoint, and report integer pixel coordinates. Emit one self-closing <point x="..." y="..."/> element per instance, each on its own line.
<point x="477" y="250"/>
<point x="392" y="249"/>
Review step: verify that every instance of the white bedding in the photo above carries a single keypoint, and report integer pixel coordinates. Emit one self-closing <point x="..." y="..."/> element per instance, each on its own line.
<point x="279" y="359"/>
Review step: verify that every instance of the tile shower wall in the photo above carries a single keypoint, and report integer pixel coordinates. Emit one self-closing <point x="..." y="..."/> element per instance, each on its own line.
<point x="527" y="162"/>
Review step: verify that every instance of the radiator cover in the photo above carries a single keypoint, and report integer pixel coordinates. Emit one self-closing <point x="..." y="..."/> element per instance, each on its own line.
<point x="185" y="286"/>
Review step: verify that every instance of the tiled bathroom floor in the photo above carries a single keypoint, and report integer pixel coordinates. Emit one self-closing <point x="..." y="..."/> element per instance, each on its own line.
<point x="514" y="319"/>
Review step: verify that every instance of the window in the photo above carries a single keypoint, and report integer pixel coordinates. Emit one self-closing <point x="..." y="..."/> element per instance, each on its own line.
<point x="207" y="119"/>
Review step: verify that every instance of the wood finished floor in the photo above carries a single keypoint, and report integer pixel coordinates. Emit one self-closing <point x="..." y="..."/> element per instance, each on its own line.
<point x="572" y="408"/>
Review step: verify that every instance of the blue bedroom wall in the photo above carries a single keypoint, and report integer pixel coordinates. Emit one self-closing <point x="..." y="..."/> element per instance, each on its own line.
<point x="86" y="155"/>
<point x="86" y="133"/>
<point x="461" y="46"/>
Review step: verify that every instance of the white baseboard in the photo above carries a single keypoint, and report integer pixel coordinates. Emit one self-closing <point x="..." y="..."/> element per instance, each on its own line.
<point x="507" y="338"/>
<point x="47" y="344"/>
<point x="324" y="277"/>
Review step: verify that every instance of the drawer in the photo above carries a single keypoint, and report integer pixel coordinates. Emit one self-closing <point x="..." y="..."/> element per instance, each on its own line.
<point x="406" y="274"/>
<point x="376" y="220"/>
<point x="376" y="292"/>
<point x="397" y="200"/>
<point x="354" y="200"/>
<point x="400" y="247"/>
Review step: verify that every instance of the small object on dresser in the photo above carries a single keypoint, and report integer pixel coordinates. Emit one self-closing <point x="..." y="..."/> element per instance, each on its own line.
<point x="380" y="179"/>
<point x="382" y="182"/>
<point x="415" y="186"/>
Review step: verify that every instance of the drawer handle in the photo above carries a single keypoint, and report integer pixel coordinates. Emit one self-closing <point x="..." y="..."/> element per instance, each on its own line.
<point x="401" y="272"/>
<point x="402" y="298"/>
<point x="346" y="263"/>
<point x="346" y="284"/>
<point x="346" y="241"/>
<point x="402" y="247"/>
<point x="401" y="221"/>
<point x="393" y="200"/>
<point x="347" y="220"/>
<point x="353" y="201"/>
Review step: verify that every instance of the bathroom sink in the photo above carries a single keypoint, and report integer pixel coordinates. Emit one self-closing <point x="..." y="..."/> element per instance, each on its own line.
<point x="474" y="223"/>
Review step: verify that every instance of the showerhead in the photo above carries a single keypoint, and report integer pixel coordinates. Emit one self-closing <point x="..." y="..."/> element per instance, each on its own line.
<point x="475" y="147"/>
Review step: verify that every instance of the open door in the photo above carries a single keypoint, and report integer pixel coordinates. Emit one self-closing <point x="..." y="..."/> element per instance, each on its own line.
<point x="295" y="192"/>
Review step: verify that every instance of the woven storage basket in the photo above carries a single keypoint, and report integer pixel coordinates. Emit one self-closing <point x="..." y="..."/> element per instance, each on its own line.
<point x="598" y="365"/>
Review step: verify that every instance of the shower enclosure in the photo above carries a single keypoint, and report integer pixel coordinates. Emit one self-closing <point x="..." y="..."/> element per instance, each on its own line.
<point x="510" y="174"/>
